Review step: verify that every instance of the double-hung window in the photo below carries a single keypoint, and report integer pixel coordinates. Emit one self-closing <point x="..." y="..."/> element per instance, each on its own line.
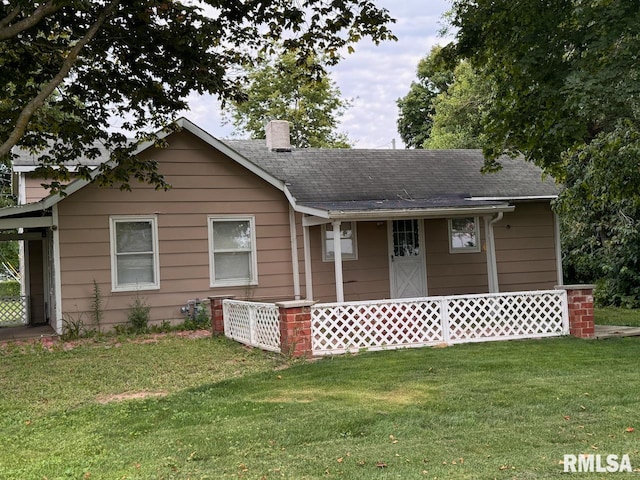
<point x="232" y="251"/>
<point x="464" y="235"/>
<point x="134" y="253"/>
<point x="348" y="241"/>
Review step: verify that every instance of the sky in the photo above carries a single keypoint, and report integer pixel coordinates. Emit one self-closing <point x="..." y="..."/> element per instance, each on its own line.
<point x="373" y="77"/>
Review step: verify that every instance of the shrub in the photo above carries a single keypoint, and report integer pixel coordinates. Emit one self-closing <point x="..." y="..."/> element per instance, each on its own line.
<point x="139" y="314"/>
<point x="10" y="288"/>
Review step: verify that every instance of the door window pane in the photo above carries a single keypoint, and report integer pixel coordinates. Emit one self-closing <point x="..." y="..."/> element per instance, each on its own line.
<point x="406" y="238"/>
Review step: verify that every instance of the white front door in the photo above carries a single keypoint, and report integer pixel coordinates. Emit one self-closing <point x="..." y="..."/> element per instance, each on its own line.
<point x="408" y="266"/>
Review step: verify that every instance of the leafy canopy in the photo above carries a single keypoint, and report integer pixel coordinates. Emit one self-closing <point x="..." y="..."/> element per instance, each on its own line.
<point x="69" y="67"/>
<point x="458" y="110"/>
<point x="565" y="93"/>
<point x="562" y="73"/>
<point x="283" y="89"/>
<point x="416" y="109"/>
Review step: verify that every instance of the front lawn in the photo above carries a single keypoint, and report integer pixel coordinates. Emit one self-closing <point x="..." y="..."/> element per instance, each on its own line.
<point x="199" y="408"/>
<point x="617" y="316"/>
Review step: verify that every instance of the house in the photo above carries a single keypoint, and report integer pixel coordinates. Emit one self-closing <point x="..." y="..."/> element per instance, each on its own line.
<point x="261" y="220"/>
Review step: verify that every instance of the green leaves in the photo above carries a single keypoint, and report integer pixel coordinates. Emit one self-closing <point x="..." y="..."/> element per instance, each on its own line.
<point x="417" y="107"/>
<point x="283" y="88"/>
<point x="565" y="93"/>
<point x="144" y="60"/>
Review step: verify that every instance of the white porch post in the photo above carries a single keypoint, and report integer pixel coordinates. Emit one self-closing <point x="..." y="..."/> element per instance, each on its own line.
<point x="556" y="231"/>
<point x="492" y="267"/>
<point x="57" y="294"/>
<point x="308" y="276"/>
<point x="294" y="253"/>
<point x="337" y="259"/>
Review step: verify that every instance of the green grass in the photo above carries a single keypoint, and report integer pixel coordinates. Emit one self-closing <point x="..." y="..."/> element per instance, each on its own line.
<point x="494" y="410"/>
<point x="617" y="316"/>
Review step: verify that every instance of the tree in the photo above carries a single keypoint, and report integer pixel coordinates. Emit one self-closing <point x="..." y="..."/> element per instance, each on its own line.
<point x="282" y="89"/>
<point x="68" y="67"/>
<point x="416" y="109"/>
<point x="565" y="94"/>
<point x="457" y="111"/>
<point x="561" y="74"/>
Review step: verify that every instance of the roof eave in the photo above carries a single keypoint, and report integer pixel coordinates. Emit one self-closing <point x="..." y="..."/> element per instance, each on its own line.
<point x="436" y="212"/>
<point x="183" y="123"/>
<point x="521" y="198"/>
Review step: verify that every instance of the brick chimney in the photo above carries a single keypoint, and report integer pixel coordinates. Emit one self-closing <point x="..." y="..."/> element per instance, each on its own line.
<point x="278" y="139"/>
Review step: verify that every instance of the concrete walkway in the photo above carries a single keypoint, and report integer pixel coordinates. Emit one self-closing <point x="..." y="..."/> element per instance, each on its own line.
<point x="24" y="332"/>
<point x="609" y="331"/>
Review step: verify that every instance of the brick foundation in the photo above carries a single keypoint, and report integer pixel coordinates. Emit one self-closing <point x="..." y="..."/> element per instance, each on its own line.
<point x="580" y="302"/>
<point x="217" y="316"/>
<point x="295" y="328"/>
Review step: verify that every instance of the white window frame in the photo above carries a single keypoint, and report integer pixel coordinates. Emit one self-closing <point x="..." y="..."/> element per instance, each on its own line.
<point x="474" y="249"/>
<point x="345" y="256"/>
<point x="130" y="287"/>
<point x="253" y="263"/>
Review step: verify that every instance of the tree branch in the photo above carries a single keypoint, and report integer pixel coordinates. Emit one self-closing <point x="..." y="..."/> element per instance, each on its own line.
<point x="9" y="18"/>
<point x="31" y="107"/>
<point x="8" y="31"/>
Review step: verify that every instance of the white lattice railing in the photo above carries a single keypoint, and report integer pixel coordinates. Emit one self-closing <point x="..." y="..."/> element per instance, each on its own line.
<point x="252" y="323"/>
<point x="14" y="311"/>
<point x="387" y="324"/>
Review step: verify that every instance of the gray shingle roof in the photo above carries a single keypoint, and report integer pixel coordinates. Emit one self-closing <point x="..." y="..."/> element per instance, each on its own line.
<point x="24" y="158"/>
<point x="330" y="176"/>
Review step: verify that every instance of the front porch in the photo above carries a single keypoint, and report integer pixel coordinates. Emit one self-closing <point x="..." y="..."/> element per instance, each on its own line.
<point x="471" y="249"/>
<point x="35" y="303"/>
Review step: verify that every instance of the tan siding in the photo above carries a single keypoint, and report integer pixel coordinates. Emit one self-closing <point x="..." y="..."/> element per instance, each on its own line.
<point x="204" y="183"/>
<point x="34" y="190"/>
<point x="452" y="274"/>
<point x="364" y="279"/>
<point x="525" y="248"/>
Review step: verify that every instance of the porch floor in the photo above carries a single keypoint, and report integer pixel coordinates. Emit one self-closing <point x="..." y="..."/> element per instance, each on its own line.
<point x="26" y="331"/>
<point x="608" y="331"/>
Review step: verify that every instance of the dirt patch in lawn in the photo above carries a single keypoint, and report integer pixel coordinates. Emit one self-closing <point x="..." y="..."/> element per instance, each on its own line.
<point x="122" y="397"/>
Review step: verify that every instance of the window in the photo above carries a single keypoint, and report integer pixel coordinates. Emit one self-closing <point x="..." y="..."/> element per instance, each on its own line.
<point x="348" y="242"/>
<point x="232" y="246"/>
<point x="134" y="253"/>
<point x="463" y="235"/>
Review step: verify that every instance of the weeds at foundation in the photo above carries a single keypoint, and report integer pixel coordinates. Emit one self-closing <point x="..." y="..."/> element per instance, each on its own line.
<point x="74" y="327"/>
<point x="97" y="312"/>
<point x="139" y="314"/>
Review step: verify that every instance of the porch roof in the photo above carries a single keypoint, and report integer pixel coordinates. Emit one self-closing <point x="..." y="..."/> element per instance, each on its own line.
<point x="438" y="206"/>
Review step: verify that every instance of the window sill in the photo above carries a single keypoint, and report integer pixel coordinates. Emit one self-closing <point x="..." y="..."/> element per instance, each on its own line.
<point x="134" y="288"/>
<point x="234" y="283"/>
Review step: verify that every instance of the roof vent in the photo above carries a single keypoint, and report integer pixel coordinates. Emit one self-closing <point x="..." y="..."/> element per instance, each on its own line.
<point x="278" y="139"/>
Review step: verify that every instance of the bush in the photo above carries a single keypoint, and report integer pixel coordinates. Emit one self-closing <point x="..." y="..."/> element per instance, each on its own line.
<point x="139" y="314"/>
<point x="10" y="288"/>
